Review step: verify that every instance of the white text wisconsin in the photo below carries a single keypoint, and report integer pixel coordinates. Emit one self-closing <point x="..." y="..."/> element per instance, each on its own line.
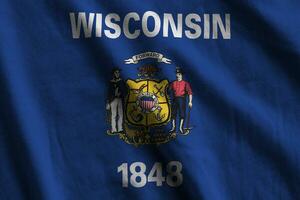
<point x="150" y="24"/>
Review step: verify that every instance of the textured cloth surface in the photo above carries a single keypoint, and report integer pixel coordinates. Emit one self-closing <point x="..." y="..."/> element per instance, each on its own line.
<point x="244" y="141"/>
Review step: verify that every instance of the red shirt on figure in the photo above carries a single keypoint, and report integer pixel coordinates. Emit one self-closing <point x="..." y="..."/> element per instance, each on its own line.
<point x="181" y="88"/>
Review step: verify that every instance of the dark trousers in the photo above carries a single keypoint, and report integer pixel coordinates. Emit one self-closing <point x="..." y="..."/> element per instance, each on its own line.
<point x="179" y="106"/>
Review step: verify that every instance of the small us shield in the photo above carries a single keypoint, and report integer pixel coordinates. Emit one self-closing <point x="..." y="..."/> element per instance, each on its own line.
<point x="147" y="103"/>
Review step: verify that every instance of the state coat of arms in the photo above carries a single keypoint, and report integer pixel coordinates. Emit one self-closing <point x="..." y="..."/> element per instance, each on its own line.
<point x="148" y="109"/>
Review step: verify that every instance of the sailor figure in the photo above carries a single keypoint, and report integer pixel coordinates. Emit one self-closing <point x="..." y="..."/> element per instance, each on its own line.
<point x="115" y="101"/>
<point x="180" y="90"/>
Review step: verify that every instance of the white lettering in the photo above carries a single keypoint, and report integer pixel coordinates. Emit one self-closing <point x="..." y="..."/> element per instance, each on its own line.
<point x="127" y="18"/>
<point x="81" y="21"/>
<point x="218" y="24"/>
<point x="115" y="27"/>
<point x="189" y="23"/>
<point x="176" y="30"/>
<point x="157" y="23"/>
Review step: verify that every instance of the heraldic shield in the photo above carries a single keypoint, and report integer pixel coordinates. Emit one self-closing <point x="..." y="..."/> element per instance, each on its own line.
<point x="144" y="116"/>
<point x="147" y="103"/>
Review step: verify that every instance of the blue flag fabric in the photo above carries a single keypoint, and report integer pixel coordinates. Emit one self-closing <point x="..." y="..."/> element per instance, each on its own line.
<point x="149" y="99"/>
